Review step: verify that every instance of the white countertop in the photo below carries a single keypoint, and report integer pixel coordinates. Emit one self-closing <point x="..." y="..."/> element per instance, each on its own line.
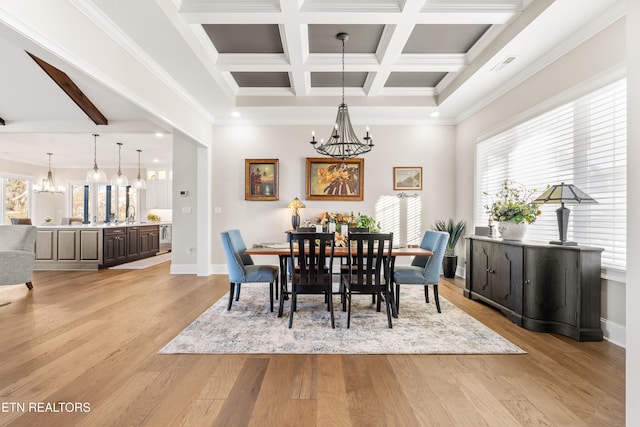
<point x="106" y="225"/>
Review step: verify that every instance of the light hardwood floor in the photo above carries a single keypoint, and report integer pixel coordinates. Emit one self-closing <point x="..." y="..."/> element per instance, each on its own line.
<point x="93" y="337"/>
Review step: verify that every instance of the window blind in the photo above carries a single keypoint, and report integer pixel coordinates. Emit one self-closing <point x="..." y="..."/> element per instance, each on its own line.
<point x="583" y="142"/>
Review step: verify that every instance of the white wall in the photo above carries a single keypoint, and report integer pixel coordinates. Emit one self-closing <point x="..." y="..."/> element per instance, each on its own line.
<point x="633" y="227"/>
<point x="431" y="147"/>
<point x="184" y="242"/>
<point x="598" y="61"/>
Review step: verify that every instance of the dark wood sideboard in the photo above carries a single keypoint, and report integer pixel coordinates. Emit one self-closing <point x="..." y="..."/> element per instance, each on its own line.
<point x="541" y="287"/>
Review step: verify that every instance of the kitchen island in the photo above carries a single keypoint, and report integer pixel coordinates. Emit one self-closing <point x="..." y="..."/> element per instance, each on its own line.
<point x="90" y="247"/>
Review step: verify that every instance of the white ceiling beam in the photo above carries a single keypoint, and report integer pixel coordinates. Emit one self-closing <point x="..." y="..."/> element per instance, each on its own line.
<point x="350" y="18"/>
<point x="333" y="62"/>
<point x="253" y="62"/>
<point x="426" y="62"/>
<point x="295" y="42"/>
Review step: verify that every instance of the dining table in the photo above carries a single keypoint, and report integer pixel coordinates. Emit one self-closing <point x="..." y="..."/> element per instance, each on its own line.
<point x="283" y="252"/>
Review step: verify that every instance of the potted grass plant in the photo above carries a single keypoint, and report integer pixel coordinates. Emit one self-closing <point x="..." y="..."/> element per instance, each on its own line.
<point x="455" y="230"/>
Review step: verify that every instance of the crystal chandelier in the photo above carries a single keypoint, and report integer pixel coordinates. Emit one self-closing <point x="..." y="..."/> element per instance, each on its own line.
<point x="119" y="179"/>
<point x="48" y="186"/>
<point x="95" y="174"/>
<point x="343" y="142"/>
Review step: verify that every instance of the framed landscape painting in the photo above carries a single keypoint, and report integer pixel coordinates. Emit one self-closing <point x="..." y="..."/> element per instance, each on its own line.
<point x="261" y="179"/>
<point x="331" y="179"/>
<point x="407" y="178"/>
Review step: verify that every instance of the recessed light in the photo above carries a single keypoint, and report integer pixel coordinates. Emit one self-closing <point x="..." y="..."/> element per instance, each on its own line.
<point x="159" y="134"/>
<point x="235" y="114"/>
<point x="435" y="114"/>
<point x="156" y="160"/>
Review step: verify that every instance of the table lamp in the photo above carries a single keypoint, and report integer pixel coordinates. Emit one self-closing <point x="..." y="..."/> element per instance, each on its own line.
<point x="564" y="193"/>
<point x="295" y="204"/>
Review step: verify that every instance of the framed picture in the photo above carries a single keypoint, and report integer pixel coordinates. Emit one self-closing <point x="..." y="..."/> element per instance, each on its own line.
<point x="331" y="179"/>
<point x="261" y="179"/>
<point x="407" y="178"/>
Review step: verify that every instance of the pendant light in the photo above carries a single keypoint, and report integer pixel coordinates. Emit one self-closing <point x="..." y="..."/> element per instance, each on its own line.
<point x="96" y="175"/>
<point x="139" y="183"/>
<point x="119" y="179"/>
<point x="48" y="186"/>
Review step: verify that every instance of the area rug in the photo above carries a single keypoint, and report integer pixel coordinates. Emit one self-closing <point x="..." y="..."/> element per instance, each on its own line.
<point x="250" y="328"/>
<point x="144" y="263"/>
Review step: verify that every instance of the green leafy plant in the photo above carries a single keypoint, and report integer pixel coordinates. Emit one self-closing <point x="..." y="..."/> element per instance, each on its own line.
<point x="455" y="230"/>
<point x="366" y="221"/>
<point x="153" y="217"/>
<point x="513" y="203"/>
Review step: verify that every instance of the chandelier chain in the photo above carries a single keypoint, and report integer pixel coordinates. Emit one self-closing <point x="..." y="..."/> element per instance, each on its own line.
<point x="343" y="70"/>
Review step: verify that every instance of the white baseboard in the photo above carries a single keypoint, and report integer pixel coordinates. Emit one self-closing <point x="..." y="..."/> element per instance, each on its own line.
<point x="183" y="269"/>
<point x="219" y="269"/>
<point x="613" y="332"/>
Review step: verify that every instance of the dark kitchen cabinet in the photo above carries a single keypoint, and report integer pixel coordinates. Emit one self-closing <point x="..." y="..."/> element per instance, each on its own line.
<point x="114" y="246"/>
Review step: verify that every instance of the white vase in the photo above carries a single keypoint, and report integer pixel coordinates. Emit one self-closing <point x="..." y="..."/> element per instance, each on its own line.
<point x="511" y="231"/>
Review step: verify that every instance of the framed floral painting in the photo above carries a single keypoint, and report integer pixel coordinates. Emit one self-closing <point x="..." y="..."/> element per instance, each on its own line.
<point x="261" y="179"/>
<point x="407" y="178"/>
<point x="331" y="179"/>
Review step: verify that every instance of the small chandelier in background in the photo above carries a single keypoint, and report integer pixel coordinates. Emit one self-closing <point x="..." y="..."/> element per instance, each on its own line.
<point x="343" y="142"/>
<point x="119" y="178"/>
<point x="48" y="186"/>
<point x="96" y="175"/>
<point x="139" y="183"/>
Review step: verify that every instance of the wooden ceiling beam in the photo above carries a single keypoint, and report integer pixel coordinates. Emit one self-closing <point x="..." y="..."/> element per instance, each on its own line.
<point x="73" y="91"/>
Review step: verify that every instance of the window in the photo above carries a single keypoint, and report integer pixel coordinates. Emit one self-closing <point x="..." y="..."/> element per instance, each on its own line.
<point x="15" y="198"/>
<point x="584" y="143"/>
<point x="402" y="217"/>
<point x="106" y="198"/>
<point x="78" y="200"/>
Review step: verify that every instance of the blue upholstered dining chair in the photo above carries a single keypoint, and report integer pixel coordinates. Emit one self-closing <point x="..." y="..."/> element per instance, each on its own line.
<point x="423" y="270"/>
<point x="242" y="269"/>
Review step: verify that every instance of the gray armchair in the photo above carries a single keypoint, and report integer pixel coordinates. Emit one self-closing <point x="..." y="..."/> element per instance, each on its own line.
<point x="17" y="254"/>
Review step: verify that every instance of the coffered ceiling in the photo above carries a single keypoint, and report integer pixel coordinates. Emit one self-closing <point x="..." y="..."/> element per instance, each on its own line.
<point x="270" y="62"/>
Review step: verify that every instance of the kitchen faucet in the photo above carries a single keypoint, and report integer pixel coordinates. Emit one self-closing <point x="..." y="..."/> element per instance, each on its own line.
<point x="131" y="217"/>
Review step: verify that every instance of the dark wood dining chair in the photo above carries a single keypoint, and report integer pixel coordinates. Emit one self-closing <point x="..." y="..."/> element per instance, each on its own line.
<point x="369" y="270"/>
<point x="344" y="264"/>
<point x="311" y="255"/>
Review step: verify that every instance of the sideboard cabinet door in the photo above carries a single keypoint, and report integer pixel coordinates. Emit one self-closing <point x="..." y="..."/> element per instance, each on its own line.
<point x="551" y="288"/>
<point x="497" y="276"/>
<point x="507" y="276"/>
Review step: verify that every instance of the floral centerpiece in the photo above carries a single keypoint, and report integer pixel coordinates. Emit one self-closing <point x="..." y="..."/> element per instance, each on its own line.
<point x="350" y="220"/>
<point x="336" y="217"/>
<point x="513" y="205"/>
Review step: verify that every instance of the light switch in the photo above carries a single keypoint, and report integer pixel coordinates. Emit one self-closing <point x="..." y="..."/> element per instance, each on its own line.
<point x="217" y="210"/>
<point x="186" y="209"/>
